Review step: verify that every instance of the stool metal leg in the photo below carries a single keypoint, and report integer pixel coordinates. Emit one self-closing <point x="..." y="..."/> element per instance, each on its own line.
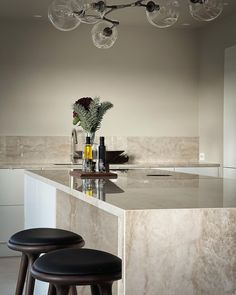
<point x="30" y="280"/>
<point x="94" y="290"/>
<point x="52" y="290"/>
<point x="22" y="275"/>
<point x="105" y="288"/>
<point x="62" y="290"/>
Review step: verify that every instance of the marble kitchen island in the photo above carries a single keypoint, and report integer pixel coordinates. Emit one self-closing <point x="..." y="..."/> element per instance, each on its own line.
<point x="175" y="232"/>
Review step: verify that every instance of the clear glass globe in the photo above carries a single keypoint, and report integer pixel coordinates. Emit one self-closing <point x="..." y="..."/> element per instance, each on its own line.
<point x="205" y="10"/>
<point x="91" y="13"/>
<point x="61" y="15"/>
<point x="103" y="35"/>
<point x="78" y="5"/>
<point x="162" y="13"/>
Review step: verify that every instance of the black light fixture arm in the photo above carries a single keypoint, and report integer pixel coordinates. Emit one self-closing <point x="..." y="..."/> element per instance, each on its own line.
<point x="198" y="1"/>
<point x="113" y="22"/>
<point x="101" y="6"/>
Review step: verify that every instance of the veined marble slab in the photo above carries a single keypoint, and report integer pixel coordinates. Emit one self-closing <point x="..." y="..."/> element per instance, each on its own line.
<point x="141" y="150"/>
<point x="142" y="190"/>
<point x="31" y="149"/>
<point x="181" y="252"/>
<point x="67" y="164"/>
<point x="175" y="234"/>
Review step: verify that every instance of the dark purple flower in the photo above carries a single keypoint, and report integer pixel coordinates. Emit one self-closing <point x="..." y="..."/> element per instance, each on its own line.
<point x="85" y="102"/>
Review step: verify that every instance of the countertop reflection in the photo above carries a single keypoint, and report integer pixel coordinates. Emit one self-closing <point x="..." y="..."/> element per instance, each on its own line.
<point x="148" y="189"/>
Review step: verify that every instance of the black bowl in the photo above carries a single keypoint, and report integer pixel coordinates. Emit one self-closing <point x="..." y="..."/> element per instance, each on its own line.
<point x="112" y="157"/>
<point x="116" y="157"/>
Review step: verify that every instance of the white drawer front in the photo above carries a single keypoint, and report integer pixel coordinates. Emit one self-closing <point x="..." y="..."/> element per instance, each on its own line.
<point x="206" y="171"/>
<point x="12" y="187"/>
<point x="11" y="221"/>
<point x="229" y="173"/>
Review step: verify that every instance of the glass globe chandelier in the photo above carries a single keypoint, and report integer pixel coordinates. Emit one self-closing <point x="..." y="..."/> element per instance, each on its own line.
<point x="66" y="15"/>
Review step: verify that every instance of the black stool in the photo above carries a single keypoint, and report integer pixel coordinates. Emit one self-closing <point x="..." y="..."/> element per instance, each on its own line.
<point x="32" y="243"/>
<point x="76" y="267"/>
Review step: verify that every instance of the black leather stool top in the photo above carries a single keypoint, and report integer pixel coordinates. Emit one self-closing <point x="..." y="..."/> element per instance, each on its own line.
<point x="44" y="237"/>
<point x="78" y="262"/>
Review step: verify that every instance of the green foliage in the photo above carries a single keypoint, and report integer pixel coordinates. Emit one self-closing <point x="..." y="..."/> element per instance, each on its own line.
<point x="90" y="120"/>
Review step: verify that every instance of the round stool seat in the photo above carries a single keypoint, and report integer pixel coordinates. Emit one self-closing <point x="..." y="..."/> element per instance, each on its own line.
<point x="44" y="237"/>
<point x="76" y="262"/>
<point x="34" y="242"/>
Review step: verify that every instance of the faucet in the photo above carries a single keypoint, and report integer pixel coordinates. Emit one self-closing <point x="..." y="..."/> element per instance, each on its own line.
<point x="74" y="141"/>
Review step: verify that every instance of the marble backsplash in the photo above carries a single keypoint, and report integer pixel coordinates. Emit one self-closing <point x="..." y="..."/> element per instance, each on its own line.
<point x="35" y="149"/>
<point x="57" y="149"/>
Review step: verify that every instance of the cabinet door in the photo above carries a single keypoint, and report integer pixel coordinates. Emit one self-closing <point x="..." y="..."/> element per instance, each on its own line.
<point x="167" y="169"/>
<point x="11" y="221"/>
<point x="229" y="173"/>
<point x="206" y="171"/>
<point x="40" y="211"/>
<point x="40" y="203"/>
<point x="11" y="207"/>
<point x="12" y="187"/>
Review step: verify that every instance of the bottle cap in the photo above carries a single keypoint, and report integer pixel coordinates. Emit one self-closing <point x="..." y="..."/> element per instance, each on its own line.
<point x="88" y="140"/>
<point x="102" y="140"/>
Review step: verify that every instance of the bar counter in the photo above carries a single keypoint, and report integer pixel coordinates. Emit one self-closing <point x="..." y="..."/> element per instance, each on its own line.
<point x="175" y="232"/>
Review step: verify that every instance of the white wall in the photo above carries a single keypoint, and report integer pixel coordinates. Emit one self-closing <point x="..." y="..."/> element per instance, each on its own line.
<point x="213" y="41"/>
<point x="150" y="75"/>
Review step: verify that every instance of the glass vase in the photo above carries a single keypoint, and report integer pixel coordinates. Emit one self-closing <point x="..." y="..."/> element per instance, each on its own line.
<point x="92" y="136"/>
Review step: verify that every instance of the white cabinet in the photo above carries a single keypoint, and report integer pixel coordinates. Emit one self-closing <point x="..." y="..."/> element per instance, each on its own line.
<point x="12" y="187"/>
<point x="11" y="220"/>
<point x="229" y="173"/>
<point x="40" y="211"/>
<point x="40" y="203"/>
<point x="206" y="171"/>
<point x="11" y="206"/>
<point x="167" y="169"/>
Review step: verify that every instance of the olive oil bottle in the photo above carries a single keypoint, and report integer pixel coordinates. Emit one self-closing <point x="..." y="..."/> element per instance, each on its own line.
<point x="88" y="156"/>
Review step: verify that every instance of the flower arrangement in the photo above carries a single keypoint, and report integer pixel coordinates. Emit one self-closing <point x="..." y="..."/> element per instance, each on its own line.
<point x="88" y="113"/>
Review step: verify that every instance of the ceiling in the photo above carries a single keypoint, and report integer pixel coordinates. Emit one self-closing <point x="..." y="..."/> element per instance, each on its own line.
<point x="26" y="9"/>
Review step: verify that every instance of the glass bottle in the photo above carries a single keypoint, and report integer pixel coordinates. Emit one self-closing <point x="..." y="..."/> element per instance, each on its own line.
<point x="88" y="156"/>
<point x="101" y="156"/>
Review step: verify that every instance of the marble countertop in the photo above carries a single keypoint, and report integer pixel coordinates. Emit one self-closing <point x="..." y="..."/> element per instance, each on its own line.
<point x="24" y="165"/>
<point x="145" y="189"/>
